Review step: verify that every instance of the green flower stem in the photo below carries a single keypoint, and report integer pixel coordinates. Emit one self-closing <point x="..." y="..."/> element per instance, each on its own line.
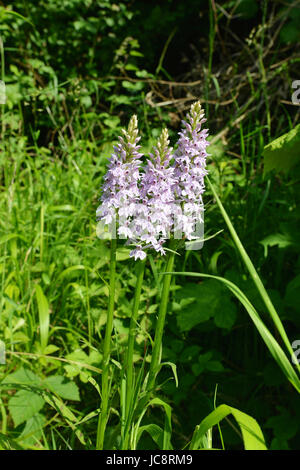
<point x="103" y="416"/>
<point x="155" y="361"/>
<point x="129" y="368"/>
<point x="132" y="333"/>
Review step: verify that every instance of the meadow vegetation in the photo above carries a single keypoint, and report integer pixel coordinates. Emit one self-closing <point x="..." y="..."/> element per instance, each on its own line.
<point x="75" y="71"/>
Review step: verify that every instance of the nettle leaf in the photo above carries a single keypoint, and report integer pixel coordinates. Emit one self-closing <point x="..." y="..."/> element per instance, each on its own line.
<point x="247" y="8"/>
<point x="207" y="362"/>
<point x="197" y="303"/>
<point x="22" y="376"/>
<point x="32" y="432"/>
<point x="292" y="298"/>
<point x="81" y="359"/>
<point x="23" y="405"/>
<point x="189" y="353"/>
<point x="226" y="315"/>
<point x="276" y="239"/>
<point x="290" y="32"/>
<point x="133" y="86"/>
<point x="26" y="403"/>
<point x="284" y="425"/>
<point x="283" y="153"/>
<point x="64" y="388"/>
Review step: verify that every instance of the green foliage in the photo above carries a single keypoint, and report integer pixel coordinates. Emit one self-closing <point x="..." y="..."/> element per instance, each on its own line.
<point x="24" y="405"/>
<point x="28" y="401"/>
<point x="283" y="153"/>
<point x="197" y="303"/>
<point x="290" y="31"/>
<point x="74" y="71"/>
<point x="247" y="8"/>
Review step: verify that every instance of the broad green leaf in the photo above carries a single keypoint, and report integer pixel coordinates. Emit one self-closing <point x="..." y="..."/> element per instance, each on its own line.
<point x="252" y="435"/>
<point x="284" y="425"/>
<point x="50" y="349"/>
<point x="276" y="239"/>
<point x="283" y="153"/>
<point x="64" y="388"/>
<point x="80" y="360"/>
<point x="22" y="376"/>
<point x="167" y="432"/>
<point x="205" y="362"/>
<point x="226" y="314"/>
<point x="292" y="298"/>
<point x="56" y="383"/>
<point x="10" y="236"/>
<point x="197" y="303"/>
<point x="71" y="269"/>
<point x="188" y="354"/>
<point x="23" y="405"/>
<point x="33" y="430"/>
<point x="155" y="431"/>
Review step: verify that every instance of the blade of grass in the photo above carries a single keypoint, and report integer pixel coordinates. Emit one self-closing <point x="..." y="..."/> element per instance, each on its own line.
<point x="132" y="333"/>
<point x="103" y="416"/>
<point x="155" y="360"/>
<point x="252" y="435"/>
<point x="43" y="308"/>
<point x="167" y="428"/>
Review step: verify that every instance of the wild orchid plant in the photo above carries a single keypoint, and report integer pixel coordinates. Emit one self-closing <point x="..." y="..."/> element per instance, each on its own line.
<point x="152" y="205"/>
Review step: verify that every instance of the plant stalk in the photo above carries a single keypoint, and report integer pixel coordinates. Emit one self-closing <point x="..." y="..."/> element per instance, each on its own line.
<point x="132" y="333"/>
<point x="155" y="361"/>
<point x="103" y="416"/>
<point x="129" y="366"/>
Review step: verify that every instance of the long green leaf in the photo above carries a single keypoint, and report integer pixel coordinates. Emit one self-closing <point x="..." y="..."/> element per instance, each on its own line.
<point x="66" y="413"/>
<point x="155" y="431"/>
<point x="257" y="281"/>
<point x="273" y="346"/>
<point x="167" y="432"/>
<point x="43" y="308"/>
<point x="252" y="435"/>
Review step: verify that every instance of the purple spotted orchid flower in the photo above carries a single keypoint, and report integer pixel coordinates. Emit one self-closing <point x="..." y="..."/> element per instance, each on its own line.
<point x="154" y="218"/>
<point x="190" y="170"/>
<point x="120" y="192"/>
<point x="166" y="195"/>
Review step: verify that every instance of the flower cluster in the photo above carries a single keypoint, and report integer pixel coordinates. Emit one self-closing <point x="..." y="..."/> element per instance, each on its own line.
<point x="120" y="192"/>
<point x="166" y="195"/>
<point x="190" y="163"/>
<point x="154" y="218"/>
